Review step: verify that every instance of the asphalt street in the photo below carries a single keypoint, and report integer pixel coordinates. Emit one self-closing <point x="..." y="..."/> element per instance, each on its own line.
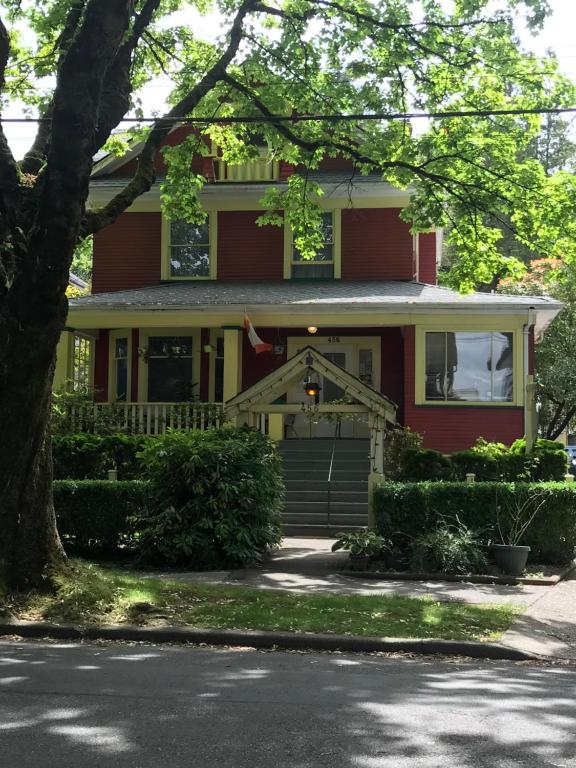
<point x="87" y="706"/>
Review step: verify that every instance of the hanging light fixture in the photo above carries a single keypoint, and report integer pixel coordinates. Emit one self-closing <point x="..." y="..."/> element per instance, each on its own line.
<point x="312" y="329"/>
<point x="312" y="388"/>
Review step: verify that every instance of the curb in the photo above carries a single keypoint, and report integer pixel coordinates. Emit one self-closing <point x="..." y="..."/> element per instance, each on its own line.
<point x="546" y="581"/>
<point x="267" y="640"/>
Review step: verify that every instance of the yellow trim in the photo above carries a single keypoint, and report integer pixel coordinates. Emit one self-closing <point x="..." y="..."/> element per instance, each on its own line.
<point x="63" y="369"/>
<point x="145" y="334"/>
<point x="165" y="249"/>
<point x="337" y="246"/>
<point x="482" y="324"/>
<point x="288" y="317"/>
<point x="232" y="362"/>
<point x="125" y="333"/>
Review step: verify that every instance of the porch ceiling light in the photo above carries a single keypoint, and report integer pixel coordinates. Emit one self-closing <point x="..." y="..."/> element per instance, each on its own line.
<point x="312" y="329"/>
<point x="312" y="388"/>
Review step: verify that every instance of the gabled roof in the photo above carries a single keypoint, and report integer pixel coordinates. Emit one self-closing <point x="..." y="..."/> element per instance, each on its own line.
<point x="278" y="381"/>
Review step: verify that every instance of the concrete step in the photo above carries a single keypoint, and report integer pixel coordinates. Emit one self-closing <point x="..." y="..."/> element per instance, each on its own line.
<point x="339" y="475"/>
<point x="296" y="484"/>
<point x="321" y="507"/>
<point x="318" y="531"/>
<point x="340" y="462"/>
<point x="321" y="495"/>
<point x="322" y="519"/>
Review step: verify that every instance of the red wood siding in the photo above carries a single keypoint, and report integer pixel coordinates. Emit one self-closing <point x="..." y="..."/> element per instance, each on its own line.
<point x="376" y="245"/>
<point x="101" y="366"/>
<point x="173" y="138"/>
<point x="256" y="367"/>
<point x="392" y="367"/>
<point x="247" y="251"/>
<point x="427" y="258"/>
<point x="127" y="254"/>
<point x="448" y="428"/>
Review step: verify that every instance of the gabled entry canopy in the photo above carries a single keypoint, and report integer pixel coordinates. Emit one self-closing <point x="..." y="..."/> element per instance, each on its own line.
<point x="274" y="385"/>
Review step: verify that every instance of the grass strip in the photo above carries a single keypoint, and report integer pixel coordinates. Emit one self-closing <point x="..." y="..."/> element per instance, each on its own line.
<point x="91" y="594"/>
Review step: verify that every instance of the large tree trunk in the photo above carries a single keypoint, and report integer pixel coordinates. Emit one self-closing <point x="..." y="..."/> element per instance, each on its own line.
<point x="30" y="549"/>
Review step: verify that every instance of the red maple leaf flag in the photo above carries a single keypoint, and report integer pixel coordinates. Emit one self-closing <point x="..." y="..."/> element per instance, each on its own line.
<point x="255" y="340"/>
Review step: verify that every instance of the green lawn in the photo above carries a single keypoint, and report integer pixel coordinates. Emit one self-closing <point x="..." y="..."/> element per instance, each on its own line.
<point x="91" y="594"/>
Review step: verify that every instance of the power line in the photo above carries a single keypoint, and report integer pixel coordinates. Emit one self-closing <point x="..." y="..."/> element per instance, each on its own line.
<point x="302" y="118"/>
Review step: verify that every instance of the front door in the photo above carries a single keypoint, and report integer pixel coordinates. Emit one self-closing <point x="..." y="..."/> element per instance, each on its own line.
<point x="313" y="425"/>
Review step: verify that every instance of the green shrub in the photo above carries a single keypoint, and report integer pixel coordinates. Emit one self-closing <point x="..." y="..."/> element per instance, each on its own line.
<point x="451" y="548"/>
<point x="99" y="516"/>
<point x="488" y="461"/>
<point x="405" y="511"/>
<point x="215" y="498"/>
<point x="362" y="542"/>
<point x="425" y="464"/>
<point x="398" y="441"/>
<point x="86" y="456"/>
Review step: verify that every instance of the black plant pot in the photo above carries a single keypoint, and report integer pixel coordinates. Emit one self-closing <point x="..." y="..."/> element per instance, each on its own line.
<point x="511" y="558"/>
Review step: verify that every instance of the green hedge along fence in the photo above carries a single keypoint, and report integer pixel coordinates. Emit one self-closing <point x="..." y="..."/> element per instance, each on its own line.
<point x="212" y="500"/>
<point x="488" y="461"/>
<point x="84" y="456"/>
<point x="404" y="511"/>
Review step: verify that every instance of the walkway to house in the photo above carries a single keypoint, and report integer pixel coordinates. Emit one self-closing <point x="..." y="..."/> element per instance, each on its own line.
<point x="309" y="565"/>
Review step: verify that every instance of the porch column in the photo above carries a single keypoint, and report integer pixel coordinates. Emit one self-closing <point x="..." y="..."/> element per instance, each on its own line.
<point x="377" y="433"/>
<point x="232" y="361"/>
<point x="62" y="372"/>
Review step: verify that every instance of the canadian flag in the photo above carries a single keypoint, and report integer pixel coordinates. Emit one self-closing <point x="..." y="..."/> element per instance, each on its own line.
<point x="255" y="340"/>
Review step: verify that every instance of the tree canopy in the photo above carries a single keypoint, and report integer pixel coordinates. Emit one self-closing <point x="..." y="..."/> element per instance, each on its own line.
<point x="308" y="78"/>
<point x="321" y="57"/>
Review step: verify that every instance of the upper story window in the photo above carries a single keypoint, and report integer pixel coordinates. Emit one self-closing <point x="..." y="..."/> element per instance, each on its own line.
<point x="322" y="265"/>
<point x="469" y="366"/>
<point x="189" y="249"/>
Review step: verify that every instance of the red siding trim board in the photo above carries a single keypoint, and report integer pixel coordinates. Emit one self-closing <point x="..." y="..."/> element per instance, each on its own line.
<point x="455" y="428"/>
<point x="376" y="245"/>
<point x="101" y="363"/>
<point x="427" y="258"/>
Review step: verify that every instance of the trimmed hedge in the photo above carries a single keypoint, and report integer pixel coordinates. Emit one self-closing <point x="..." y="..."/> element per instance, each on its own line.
<point x="404" y="511"/>
<point x="84" y="456"/>
<point x="99" y="516"/>
<point x="488" y="461"/>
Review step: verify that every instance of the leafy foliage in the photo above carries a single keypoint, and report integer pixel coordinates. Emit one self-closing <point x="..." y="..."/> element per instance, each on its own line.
<point x="451" y="548"/>
<point x="405" y="511"/>
<point x="99" y="517"/>
<point x="215" y="498"/>
<point x="362" y="542"/>
<point x="87" y="456"/>
<point x="487" y="461"/>
<point x="398" y="441"/>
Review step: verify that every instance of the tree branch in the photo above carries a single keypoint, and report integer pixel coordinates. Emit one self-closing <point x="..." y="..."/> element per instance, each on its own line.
<point x="35" y="158"/>
<point x="9" y="182"/>
<point x="145" y="175"/>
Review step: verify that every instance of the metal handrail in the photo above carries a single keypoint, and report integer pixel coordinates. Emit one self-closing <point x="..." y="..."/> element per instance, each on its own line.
<point x="329" y="486"/>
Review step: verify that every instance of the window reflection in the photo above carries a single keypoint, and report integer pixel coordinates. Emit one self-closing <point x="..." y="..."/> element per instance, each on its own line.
<point x="469" y="366"/>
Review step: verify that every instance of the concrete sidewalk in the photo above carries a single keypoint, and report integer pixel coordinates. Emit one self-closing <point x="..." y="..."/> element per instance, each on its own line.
<point x="548" y="627"/>
<point x="309" y="565"/>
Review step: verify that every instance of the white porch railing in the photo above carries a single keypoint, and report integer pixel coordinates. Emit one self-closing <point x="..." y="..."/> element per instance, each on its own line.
<point x="144" y="418"/>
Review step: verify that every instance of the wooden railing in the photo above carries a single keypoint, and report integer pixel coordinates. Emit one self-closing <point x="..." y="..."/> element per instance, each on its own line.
<point x="144" y="418"/>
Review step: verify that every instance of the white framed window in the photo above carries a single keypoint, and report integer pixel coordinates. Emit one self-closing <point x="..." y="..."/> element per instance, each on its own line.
<point x="322" y="266"/>
<point x="469" y="366"/>
<point x="81" y="369"/>
<point x="189" y="250"/>
<point x="120" y="366"/>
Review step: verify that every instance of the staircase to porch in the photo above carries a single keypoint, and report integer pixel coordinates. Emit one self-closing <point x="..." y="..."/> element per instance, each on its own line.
<point x="326" y="485"/>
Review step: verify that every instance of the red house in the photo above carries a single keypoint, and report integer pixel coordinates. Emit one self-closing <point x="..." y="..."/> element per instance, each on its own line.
<point x="164" y="324"/>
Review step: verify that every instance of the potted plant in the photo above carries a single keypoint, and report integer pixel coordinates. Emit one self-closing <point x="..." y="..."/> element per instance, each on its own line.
<point x="365" y="547"/>
<point x="513" y="518"/>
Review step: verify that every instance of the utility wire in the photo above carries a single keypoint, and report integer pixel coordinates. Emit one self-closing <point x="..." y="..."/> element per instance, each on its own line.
<point x="302" y="118"/>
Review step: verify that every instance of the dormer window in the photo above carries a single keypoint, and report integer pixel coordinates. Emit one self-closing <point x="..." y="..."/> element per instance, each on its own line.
<point x="322" y="265"/>
<point x="260" y="168"/>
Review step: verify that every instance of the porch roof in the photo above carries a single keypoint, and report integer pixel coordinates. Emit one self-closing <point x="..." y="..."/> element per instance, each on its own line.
<point x="322" y="295"/>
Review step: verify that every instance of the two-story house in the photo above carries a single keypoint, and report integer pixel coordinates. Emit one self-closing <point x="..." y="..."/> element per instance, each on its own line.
<point x="165" y="321"/>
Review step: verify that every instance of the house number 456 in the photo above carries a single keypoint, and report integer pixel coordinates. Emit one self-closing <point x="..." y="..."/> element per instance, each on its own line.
<point x="333" y="339"/>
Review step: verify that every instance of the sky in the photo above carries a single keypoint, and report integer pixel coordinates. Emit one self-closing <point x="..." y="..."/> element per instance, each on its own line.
<point x="557" y="35"/>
